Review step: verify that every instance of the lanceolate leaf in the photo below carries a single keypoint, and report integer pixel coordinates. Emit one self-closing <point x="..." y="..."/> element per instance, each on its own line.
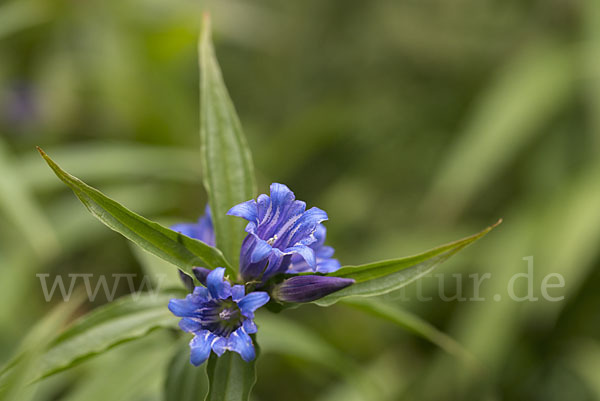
<point x="412" y="323"/>
<point x="16" y="376"/>
<point x="185" y="382"/>
<point x="230" y="377"/>
<point x="382" y="277"/>
<point x="226" y="158"/>
<point x="182" y="251"/>
<point x="120" y="321"/>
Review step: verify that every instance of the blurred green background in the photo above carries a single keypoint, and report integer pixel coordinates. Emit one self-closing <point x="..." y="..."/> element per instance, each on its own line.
<point x="412" y="123"/>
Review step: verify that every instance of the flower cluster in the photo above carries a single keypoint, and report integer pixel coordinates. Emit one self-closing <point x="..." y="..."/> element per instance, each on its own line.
<point x="284" y="239"/>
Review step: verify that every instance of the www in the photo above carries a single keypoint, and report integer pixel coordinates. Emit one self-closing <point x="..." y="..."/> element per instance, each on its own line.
<point x="102" y="283"/>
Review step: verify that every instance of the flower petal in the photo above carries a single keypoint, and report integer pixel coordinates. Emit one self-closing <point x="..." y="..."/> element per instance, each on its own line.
<point x="240" y="342"/>
<point x="247" y="210"/>
<point x="261" y="250"/>
<point x="307" y="253"/>
<point x="189" y="325"/>
<point x="217" y="287"/>
<point x="328" y="265"/>
<point x="219" y="345"/>
<point x="303" y="230"/>
<point x="280" y="195"/>
<point x="201" y="345"/>
<point x="250" y="326"/>
<point x="237" y="292"/>
<point x="183" y="307"/>
<point x="252" y="302"/>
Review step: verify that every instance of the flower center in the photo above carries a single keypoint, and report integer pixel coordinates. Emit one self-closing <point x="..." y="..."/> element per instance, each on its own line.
<point x="271" y="241"/>
<point x="221" y="317"/>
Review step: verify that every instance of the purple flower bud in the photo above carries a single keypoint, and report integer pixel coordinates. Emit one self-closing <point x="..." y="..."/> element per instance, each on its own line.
<point x="200" y="273"/>
<point x="308" y="288"/>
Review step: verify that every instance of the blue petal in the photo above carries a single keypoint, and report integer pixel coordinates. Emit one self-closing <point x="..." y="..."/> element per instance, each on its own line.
<point x="240" y="342"/>
<point x="278" y="263"/>
<point x="280" y="195"/>
<point x="200" y="294"/>
<point x="217" y="287"/>
<point x="307" y="253"/>
<point x="261" y="250"/>
<point x="201" y="345"/>
<point x="187" y="229"/>
<point x="183" y="307"/>
<point x="247" y="210"/>
<point x="306" y="226"/>
<point x="220" y="346"/>
<point x="237" y="292"/>
<point x="324" y="251"/>
<point x="320" y="234"/>
<point x="250" y="271"/>
<point x="203" y="230"/>
<point x="250" y="326"/>
<point x="328" y="265"/>
<point x="189" y="325"/>
<point x="252" y="302"/>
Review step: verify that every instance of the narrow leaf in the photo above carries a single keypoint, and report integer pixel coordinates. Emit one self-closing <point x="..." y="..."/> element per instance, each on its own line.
<point x="412" y="323"/>
<point x="382" y="277"/>
<point x="22" y="209"/>
<point x="226" y="158"/>
<point x="182" y="251"/>
<point x="120" y="321"/>
<point x="185" y="382"/>
<point x="15" y="377"/>
<point x="230" y="377"/>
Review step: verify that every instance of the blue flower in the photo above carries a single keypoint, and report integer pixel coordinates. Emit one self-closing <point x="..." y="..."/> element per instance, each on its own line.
<point x="323" y="254"/>
<point x="281" y="232"/>
<point x="220" y="316"/>
<point x="203" y="230"/>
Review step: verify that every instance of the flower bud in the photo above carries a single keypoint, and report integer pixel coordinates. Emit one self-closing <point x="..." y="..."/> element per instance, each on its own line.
<point x="308" y="288"/>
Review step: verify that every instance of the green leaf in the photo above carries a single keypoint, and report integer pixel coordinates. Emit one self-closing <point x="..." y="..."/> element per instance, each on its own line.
<point x="412" y="323"/>
<point x="182" y="251"/>
<point x="230" y="377"/>
<point x="17" y="202"/>
<point x="527" y="93"/>
<point x="185" y="382"/>
<point x="382" y="277"/>
<point x="15" y="377"/>
<point x="123" y="320"/>
<point x="226" y="158"/>
<point x="116" y="162"/>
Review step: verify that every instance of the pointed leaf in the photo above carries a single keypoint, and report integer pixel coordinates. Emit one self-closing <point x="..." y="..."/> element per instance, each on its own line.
<point x="182" y="251"/>
<point x="412" y="323"/>
<point x="185" y="382"/>
<point x="382" y="277"/>
<point x="230" y="377"/>
<point x="226" y="158"/>
<point x="120" y="321"/>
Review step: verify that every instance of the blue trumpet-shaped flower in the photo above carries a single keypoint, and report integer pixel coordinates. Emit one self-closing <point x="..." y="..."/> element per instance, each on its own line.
<point x="220" y="316"/>
<point x="281" y="233"/>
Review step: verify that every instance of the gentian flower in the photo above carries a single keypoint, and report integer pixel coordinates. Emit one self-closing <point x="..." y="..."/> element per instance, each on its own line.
<point x="280" y="231"/>
<point x="220" y="316"/>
